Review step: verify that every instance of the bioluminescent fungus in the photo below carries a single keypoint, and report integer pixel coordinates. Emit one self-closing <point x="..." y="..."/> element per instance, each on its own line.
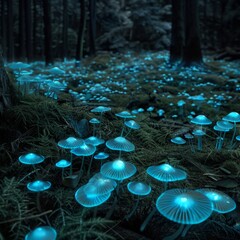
<point x="131" y="124"/>
<point x="124" y="115"/>
<point x="190" y="138"/>
<point x="180" y="105"/>
<point x="104" y="185"/>
<point x="38" y="186"/>
<point x="118" y="169"/>
<point x="63" y="164"/>
<point x="164" y="173"/>
<point x="31" y="158"/>
<point x="42" y="233"/>
<point x="120" y="144"/>
<point x="88" y="197"/>
<point x="184" y="206"/>
<point x="94" y="122"/>
<point x="222" y="131"/>
<point x="95" y="141"/>
<point x="84" y="150"/>
<point x="70" y="143"/>
<point x="101" y="156"/>
<point x="101" y="110"/>
<point x="222" y="203"/>
<point x="198" y="99"/>
<point x="138" y="189"/>
<point x="178" y="140"/>
<point x="232" y="117"/>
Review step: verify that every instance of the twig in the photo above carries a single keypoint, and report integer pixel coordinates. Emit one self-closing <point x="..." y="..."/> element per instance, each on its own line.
<point x="25" y="218"/>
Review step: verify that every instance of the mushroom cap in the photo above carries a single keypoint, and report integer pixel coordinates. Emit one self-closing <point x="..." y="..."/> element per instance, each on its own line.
<point x="101" y="155"/>
<point x="31" y="158"/>
<point x="89" y="197"/>
<point x="118" y="169"/>
<point x="38" y="186"/>
<point x="56" y="71"/>
<point x="104" y="185"/>
<point x="222" y="203"/>
<point x="132" y="124"/>
<point x="178" y="140"/>
<point x="70" y="143"/>
<point x="197" y="98"/>
<point x="225" y="124"/>
<point x="18" y="65"/>
<point x="232" y="117"/>
<point x="139" y="188"/>
<point x="63" y="163"/>
<point x="166" y="173"/>
<point x="95" y="141"/>
<point x="84" y="150"/>
<point x="125" y="114"/>
<point x="220" y="129"/>
<point x="198" y="132"/>
<point x="94" y="121"/>
<point x="181" y="103"/>
<point x="201" y="120"/>
<point x="188" y="136"/>
<point x="42" y="233"/>
<point x="184" y="206"/>
<point x="101" y="109"/>
<point x="120" y="144"/>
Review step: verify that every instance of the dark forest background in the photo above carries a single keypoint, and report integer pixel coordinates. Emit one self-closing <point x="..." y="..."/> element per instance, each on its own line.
<point x="60" y="29"/>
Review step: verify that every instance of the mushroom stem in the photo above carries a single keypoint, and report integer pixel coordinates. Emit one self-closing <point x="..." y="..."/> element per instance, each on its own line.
<point x="71" y="164"/>
<point x="146" y="221"/>
<point x="133" y="209"/>
<point x="184" y="232"/>
<point x="176" y="234"/>
<point x="89" y="166"/>
<point x="82" y="164"/>
<point x="200" y="143"/>
<point x="233" y="136"/>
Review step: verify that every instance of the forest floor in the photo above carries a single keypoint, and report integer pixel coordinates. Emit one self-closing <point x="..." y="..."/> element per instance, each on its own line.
<point x="46" y="113"/>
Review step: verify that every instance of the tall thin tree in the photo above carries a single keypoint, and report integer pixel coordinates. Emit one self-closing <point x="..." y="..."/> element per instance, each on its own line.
<point x="81" y="32"/>
<point x="192" y="53"/>
<point x="65" y="30"/>
<point x="47" y="31"/>
<point x="3" y="27"/>
<point x="28" y="20"/>
<point x="92" y="27"/>
<point x="21" y="29"/>
<point x="10" y="32"/>
<point x="177" y="36"/>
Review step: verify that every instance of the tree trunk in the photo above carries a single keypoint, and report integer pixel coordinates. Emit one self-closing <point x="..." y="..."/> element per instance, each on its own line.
<point x="92" y="28"/>
<point x="5" y="96"/>
<point x="28" y="21"/>
<point x="35" y="28"/>
<point x="177" y="37"/>
<point x="65" y="29"/>
<point x="80" y="40"/>
<point x="10" y="38"/>
<point x="192" y="53"/>
<point x="47" y="31"/>
<point x="22" y="48"/>
<point x="3" y="28"/>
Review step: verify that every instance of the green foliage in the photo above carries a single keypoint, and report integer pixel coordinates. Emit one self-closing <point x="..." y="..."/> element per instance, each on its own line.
<point x="14" y="209"/>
